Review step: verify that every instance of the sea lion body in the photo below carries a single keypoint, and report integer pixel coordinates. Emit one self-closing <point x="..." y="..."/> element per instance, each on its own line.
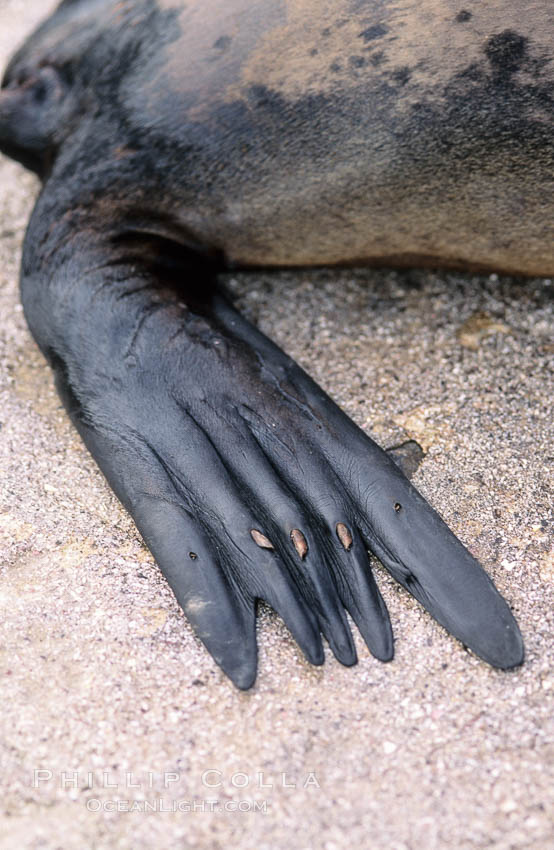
<point x="177" y="139"/>
<point x="303" y="133"/>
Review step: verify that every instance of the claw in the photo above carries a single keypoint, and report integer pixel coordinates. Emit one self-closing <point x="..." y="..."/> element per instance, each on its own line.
<point x="299" y="542"/>
<point x="261" y="540"/>
<point x="344" y="535"/>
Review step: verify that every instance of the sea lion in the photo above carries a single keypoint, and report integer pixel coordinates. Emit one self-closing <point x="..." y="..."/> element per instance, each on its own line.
<point x="176" y="139"/>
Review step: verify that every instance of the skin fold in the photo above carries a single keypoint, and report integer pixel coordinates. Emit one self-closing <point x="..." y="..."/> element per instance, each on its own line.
<point x="178" y="140"/>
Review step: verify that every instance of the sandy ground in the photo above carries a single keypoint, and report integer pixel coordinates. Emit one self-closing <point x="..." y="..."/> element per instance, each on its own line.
<point x="104" y="686"/>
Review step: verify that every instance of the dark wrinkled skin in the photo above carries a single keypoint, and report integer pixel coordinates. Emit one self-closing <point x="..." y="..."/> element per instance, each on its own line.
<point x="176" y="140"/>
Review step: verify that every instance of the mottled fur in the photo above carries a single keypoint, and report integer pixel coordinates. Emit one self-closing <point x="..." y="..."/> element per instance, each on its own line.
<point x="175" y="139"/>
